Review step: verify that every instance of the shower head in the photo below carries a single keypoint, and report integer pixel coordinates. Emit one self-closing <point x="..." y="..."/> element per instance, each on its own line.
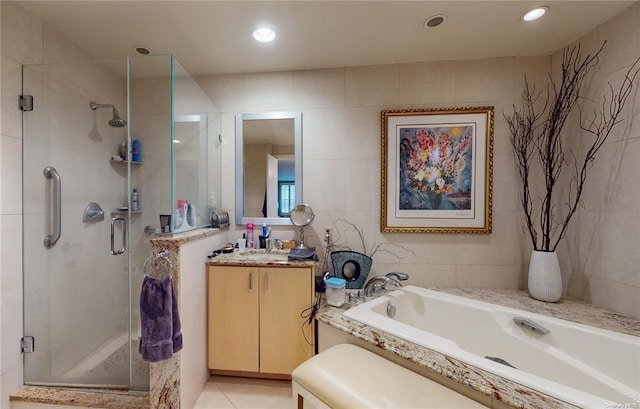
<point x="116" y="121"/>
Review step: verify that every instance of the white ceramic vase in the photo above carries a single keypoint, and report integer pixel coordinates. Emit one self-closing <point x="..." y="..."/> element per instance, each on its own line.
<point x="545" y="280"/>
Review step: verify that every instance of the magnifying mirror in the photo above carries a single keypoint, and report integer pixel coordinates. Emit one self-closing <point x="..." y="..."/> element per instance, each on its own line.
<point x="302" y="216"/>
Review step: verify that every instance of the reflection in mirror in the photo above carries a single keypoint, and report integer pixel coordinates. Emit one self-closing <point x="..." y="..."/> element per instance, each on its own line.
<point x="268" y="166"/>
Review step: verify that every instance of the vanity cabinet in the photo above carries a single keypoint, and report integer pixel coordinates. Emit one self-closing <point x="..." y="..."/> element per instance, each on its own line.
<point x="254" y="319"/>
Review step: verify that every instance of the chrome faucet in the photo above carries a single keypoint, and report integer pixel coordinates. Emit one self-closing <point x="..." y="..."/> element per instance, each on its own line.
<point x="378" y="284"/>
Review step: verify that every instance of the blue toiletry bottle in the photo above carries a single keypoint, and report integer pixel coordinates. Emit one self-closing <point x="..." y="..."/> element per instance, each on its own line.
<point x="136" y="155"/>
<point x="264" y="229"/>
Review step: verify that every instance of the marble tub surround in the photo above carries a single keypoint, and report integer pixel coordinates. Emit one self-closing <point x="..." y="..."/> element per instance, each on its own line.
<point x="500" y="391"/>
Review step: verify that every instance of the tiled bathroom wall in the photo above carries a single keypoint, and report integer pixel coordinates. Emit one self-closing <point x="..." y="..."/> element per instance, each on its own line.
<point x="341" y="146"/>
<point x="341" y="127"/>
<point x="341" y="132"/>
<point x="600" y="255"/>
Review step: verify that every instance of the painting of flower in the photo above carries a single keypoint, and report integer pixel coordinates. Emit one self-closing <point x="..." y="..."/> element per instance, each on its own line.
<point x="436" y="168"/>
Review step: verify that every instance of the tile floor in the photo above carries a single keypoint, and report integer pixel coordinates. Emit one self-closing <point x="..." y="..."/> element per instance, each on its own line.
<point x="223" y="392"/>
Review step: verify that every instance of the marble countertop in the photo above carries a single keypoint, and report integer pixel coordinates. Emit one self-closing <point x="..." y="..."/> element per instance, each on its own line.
<point x="498" y="388"/>
<point x="180" y="238"/>
<point x="258" y="258"/>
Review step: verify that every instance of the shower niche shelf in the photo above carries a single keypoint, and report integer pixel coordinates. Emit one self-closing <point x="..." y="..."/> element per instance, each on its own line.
<point x="123" y="162"/>
<point x="117" y="211"/>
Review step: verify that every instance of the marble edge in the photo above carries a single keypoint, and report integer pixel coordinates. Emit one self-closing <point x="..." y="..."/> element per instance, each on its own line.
<point x="489" y="384"/>
<point x="265" y="263"/>
<point x="182" y="238"/>
<point x="60" y="396"/>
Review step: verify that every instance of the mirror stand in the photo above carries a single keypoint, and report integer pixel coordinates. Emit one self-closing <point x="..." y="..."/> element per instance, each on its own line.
<point x="301" y="246"/>
<point x="302" y="216"/>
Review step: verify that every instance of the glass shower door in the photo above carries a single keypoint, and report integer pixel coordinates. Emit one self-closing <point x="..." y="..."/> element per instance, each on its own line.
<point x="75" y="221"/>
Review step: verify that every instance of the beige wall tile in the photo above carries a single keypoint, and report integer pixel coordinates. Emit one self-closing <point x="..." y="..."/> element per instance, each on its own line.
<point x="268" y="92"/>
<point x="11" y="175"/>
<point x="11" y="88"/>
<point x="22" y="34"/>
<point x="506" y="184"/>
<point x="11" y="281"/>
<point x="58" y="49"/>
<point x="324" y="184"/>
<point x="226" y="91"/>
<point x="324" y="134"/>
<point x="427" y="83"/>
<point x="501" y="247"/>
<point x="620" y="256"/>
<point x="621" y="298"/>
<point x="319" y="88"/>
<point x="498" y="276"/>
<point x="363" y="185"/>
<point x="372" y="85"/>
<point x="430" y="275"/>
<point x="536" y="72"/>
<point x="485" y="80"/>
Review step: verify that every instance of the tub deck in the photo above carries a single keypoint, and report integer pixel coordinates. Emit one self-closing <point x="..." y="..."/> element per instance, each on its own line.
<point x="500" y="390"/>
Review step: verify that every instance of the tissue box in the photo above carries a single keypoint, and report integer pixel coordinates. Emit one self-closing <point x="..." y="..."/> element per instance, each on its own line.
<point x="335" y="291"/>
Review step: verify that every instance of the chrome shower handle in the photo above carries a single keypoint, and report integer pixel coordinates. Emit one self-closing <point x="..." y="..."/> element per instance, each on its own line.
<point x="124" y="235"/>
<point x="51" y="173"/>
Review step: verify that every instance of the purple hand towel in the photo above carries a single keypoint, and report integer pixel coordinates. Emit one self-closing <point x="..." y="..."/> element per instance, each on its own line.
<point x="160" y="336"/>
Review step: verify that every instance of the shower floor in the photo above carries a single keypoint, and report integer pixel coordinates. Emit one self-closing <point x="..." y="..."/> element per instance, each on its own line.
<point x="108" y="366"/>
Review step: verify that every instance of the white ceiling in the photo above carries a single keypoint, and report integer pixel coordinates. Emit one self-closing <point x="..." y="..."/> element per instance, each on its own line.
<point x="213" y="37"/>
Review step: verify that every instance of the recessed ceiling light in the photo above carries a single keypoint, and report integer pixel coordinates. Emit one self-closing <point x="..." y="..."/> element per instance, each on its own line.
<point x="264" y="35"/>
<point x="535" y="13"/>
<point x="141" y="49"/>
<point x="434" y="21"/>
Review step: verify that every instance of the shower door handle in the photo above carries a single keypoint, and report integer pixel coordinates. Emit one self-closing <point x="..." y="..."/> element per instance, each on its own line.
<point x="124" y="235"/>
<point x="51" y="173"/>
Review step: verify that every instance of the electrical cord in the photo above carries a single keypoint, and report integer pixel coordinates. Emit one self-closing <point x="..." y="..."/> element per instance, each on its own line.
<point x="309" y="315"/>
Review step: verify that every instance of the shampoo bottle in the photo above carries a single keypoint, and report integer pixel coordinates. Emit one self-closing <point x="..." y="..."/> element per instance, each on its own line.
<point x="136" y="154"/>
<point x="250" y="242"/>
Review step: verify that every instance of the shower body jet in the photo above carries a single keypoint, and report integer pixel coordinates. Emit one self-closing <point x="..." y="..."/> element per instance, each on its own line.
<point x="116" y="121"/>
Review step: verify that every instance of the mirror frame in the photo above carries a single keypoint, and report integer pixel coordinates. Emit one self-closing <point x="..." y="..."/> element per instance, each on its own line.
<point x="297" y="139"/>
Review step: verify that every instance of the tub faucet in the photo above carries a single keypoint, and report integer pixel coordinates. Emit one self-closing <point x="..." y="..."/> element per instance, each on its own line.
<point x="378" y="284"/>
<point x="398" y="276"/>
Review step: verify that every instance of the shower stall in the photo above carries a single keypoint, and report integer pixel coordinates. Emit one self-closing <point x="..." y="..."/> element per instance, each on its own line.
<point x="84" y="246"/>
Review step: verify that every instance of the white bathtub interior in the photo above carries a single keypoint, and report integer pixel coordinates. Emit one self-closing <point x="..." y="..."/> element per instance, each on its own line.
<point x="576" y="363"/>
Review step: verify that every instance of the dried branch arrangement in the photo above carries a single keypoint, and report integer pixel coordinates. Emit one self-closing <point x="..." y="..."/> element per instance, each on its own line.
<point x="375" y="247"/>
<point x="537" y="133"/>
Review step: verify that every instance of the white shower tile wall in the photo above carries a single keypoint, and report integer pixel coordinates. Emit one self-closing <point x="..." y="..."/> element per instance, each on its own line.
<point x="63" y="133"/>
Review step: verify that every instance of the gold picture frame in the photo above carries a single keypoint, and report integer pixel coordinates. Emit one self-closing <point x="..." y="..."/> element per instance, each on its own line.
<point x="436" y="172"/>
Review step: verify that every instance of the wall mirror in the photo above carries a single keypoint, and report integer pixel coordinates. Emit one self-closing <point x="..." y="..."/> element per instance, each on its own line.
<point x="268" y="167"/>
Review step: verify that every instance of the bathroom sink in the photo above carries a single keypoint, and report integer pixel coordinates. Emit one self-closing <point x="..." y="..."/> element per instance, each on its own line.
<point x="264" y="255"/>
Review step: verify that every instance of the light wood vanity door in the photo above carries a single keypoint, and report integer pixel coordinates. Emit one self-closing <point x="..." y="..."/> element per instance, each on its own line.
<point x="233" y="318"/>
<point x="284" y="294"/>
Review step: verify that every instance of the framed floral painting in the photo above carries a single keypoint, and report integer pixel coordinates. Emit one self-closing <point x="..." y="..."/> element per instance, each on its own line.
<point x="437" y="170"/>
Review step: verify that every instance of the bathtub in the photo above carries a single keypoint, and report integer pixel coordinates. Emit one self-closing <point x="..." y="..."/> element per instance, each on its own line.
<point x="578" y="364"/>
